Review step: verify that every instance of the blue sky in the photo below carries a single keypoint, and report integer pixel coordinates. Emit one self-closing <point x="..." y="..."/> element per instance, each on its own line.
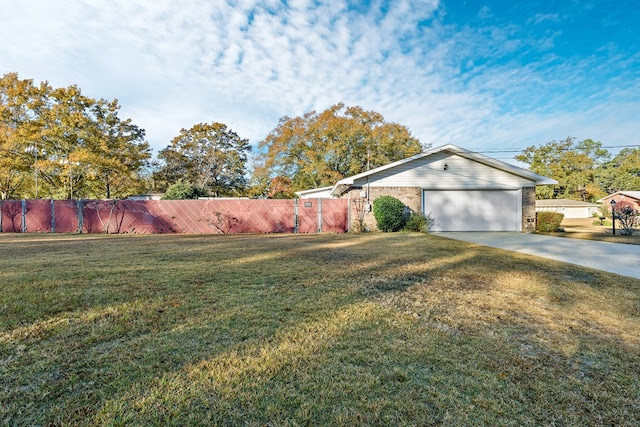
<point x="485" y="75"/>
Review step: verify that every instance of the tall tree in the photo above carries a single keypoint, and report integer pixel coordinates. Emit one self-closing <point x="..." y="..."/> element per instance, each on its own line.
<point x="59" y="143"/>
<point x="66" y="130"/>
<point x="319" y="149"/>
<point x="574" y="165"/>
<point x="210" y="156"/>
<point x="117" y="150"/>
<point x="20" y="134"/>
<point x="622" y="173"/>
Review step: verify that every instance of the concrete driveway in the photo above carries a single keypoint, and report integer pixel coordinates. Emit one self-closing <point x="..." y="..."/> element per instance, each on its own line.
<point x="612" y="257"/>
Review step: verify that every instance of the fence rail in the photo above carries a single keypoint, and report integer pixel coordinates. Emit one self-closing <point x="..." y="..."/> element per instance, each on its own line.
<point x="174" y="216"/>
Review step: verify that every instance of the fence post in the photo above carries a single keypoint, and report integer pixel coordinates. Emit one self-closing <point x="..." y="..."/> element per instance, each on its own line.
<point x="295" y="216"/>
<point x="53" y="217"/>
<point x="349" y="212"/>
<point x="80" y="215"/>
<point x="319" y="215"/>
<point x="24" y="216"/>
<point x="1" y="203"/>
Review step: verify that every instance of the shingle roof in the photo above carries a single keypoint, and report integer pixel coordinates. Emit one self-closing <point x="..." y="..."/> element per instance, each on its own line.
<point x="632" y="194"/>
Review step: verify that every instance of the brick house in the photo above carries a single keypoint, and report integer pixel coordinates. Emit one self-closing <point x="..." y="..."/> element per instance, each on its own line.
<point x="632" y="197"/>
<point x="462" y="190"/>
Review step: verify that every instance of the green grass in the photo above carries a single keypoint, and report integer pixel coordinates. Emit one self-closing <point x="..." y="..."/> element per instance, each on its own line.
<point x="286" y="330"/>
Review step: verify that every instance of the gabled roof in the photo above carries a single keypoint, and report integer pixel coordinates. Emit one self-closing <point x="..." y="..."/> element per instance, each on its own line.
<point x="632" y="194"/>
<point x="313" y="191"/>
<point x="345" y="183"/>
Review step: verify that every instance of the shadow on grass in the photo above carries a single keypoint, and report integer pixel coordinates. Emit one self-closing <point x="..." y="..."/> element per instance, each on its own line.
<point x="373" y="329"/>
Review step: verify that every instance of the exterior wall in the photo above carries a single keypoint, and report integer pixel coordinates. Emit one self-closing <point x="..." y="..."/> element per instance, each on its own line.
<point x="412" y="198"/>
<point x="621" y="198"/>
<point x="570" y="212"/>
<point x="528" y="209"/>
<point x="360" y="206"/>
<point x="444" y="171"/>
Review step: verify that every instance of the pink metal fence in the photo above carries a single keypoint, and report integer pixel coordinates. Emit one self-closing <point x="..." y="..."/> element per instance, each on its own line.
<point x="174" y="216"/>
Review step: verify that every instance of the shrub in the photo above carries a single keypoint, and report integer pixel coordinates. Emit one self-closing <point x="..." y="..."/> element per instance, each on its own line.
<point x="419" y="223"/>
<point x="183" y="190"/>
<point x="389" y="213"/>
<point x="548" y="222"/>
<point x="627" y="217"/>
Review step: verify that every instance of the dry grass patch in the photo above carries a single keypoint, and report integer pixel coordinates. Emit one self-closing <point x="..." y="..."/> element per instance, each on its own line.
<point x="589" y="229"/>
<point x="372" y="329"/>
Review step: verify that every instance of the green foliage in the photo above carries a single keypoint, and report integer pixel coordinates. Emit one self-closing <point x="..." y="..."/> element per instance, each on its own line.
<point x="419" y="223"/>
<point x="318" y="149"/>
<point x="183" y="190"/>
<point x="548" y="222"/>
<point x="389" y="213"/>
<point x="211" y="156"/>
<point x="622" y="173"/>
<point x="59" y="143"/>
<point x="584" y="170"/>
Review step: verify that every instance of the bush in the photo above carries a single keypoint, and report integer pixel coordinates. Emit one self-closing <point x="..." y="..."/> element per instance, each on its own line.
<point x="389" y="213"/>
<point x="548" y="222"/>
<point x="627" y="217"/>
<point x="419" y="223"/>
<point x="183" y="190"/>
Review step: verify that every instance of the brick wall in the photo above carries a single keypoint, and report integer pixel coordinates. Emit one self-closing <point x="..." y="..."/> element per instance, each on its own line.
<point x="529" y="209"/>
<point x="622" y="198"/>
<point x="410" y="196"/>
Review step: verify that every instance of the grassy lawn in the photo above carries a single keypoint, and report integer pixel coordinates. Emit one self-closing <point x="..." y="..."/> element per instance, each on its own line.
<point x="286" y="330"/>
<point x="590" y="229"/>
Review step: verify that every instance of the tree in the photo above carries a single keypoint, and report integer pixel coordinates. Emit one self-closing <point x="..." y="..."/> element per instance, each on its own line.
<point x="259" y="179"/>
<point x="574" y="165"/>
<point x="622" y="173"/>
<point x="117" y="151"/>
<point x="210" y="156"/>
<point x="20" y="133"/>
<point x="319" y="149"/>
<point x="183" y="190"/>
<point x="59" y="143"/>
<point x="280" y="188"/>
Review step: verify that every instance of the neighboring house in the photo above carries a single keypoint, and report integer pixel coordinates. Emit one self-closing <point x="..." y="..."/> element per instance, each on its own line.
<point x="632" y="197"/>
<point x="570" y="208"/>
<point x="316" y="193"/>
<point x="462" y="190"/>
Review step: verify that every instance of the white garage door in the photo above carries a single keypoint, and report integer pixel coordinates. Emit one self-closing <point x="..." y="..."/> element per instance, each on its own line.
<point x="474" y="210"/>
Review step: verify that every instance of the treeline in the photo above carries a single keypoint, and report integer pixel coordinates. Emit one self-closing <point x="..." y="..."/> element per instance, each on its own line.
<point x="58" y="143"/>
<point x="585" y="170"/>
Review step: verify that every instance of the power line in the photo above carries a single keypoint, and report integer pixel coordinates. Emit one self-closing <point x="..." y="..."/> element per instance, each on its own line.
<point x="513" y="150"/>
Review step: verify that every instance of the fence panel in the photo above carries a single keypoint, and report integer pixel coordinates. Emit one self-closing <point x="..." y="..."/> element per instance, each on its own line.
<point x="175" y="216"/>
<point x="66" y="216"/>
<point x="38" y="216"/>
<point x="308" y="215"/>
<point x="11" y="216"/>
<point x="334" y="215"/>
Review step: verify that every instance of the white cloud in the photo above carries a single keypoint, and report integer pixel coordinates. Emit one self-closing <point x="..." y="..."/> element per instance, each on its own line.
<point x="248" y="62"/>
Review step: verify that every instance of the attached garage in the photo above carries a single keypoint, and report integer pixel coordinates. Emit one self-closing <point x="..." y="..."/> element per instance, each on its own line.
<point x="474" y="210"/>
<point x="461" y="189"/>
